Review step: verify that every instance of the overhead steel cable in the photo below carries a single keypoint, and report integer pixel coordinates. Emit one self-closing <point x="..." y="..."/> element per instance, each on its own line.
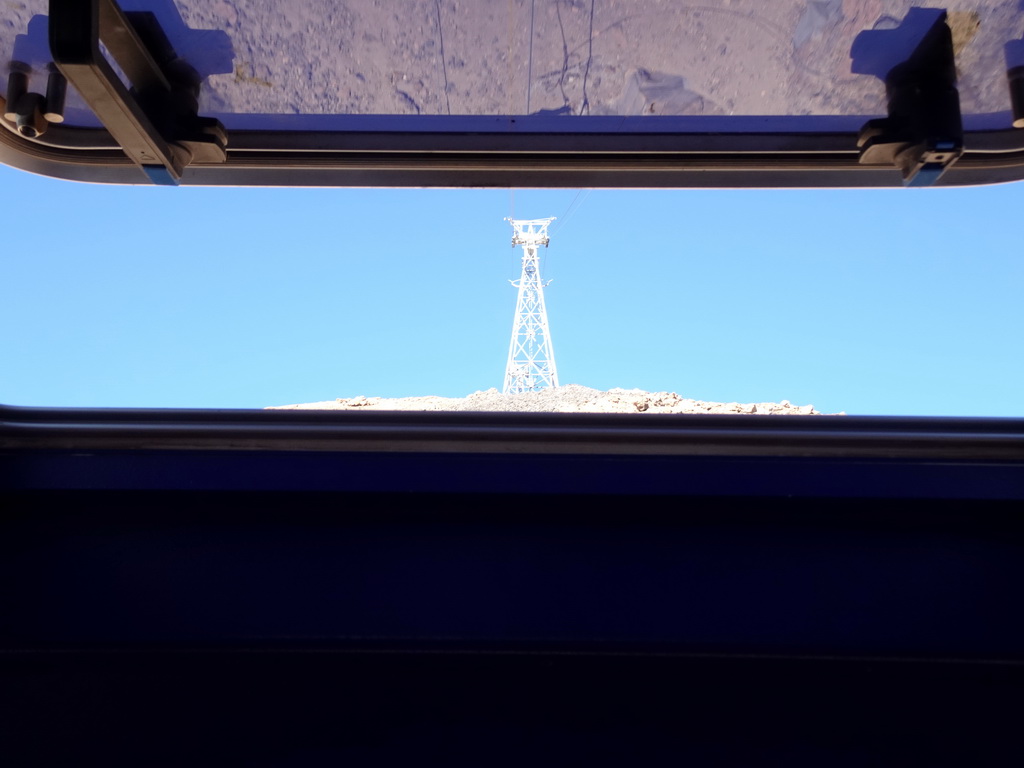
<point x="585" y="106"/>
<point x="444" y="65"/>
<point x="529" y="63"/>
<point x="574" y="205"/>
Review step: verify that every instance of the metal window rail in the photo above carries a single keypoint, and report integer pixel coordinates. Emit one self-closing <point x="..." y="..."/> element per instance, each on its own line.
<point x="151" y="123"/>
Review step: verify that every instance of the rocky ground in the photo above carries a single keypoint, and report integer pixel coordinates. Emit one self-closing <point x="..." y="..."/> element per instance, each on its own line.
<point x="568" y="399"/>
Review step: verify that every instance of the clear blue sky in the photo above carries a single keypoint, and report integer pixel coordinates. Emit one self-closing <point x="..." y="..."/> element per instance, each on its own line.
<point x="865" y="301"/>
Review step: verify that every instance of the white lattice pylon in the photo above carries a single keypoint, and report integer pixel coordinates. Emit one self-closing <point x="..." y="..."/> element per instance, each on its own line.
<point x="531" y="358"/>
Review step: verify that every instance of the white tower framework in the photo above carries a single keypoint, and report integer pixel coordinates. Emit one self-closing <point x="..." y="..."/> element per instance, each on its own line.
<point x="531" y="358"/>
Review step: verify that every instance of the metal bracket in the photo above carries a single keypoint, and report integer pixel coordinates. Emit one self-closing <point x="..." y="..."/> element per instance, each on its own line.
<point x="923" y="135"/>
<point x="155" y="122"/>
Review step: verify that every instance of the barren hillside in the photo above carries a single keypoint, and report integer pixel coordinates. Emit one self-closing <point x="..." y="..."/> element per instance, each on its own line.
<point x="573" y="398"/>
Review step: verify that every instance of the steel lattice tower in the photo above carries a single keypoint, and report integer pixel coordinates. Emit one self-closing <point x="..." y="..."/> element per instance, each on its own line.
<point x="531" y="358"/>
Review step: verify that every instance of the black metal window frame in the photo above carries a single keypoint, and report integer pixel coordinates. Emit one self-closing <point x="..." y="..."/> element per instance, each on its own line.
<point x="490" y="159"/>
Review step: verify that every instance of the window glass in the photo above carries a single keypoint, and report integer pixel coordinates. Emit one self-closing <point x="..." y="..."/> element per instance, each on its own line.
<point x="864" y="301"/>
<point x="785" y="65"/>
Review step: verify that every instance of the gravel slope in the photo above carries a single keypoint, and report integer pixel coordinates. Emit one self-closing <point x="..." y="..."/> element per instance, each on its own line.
<point x="573" y="398"/>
